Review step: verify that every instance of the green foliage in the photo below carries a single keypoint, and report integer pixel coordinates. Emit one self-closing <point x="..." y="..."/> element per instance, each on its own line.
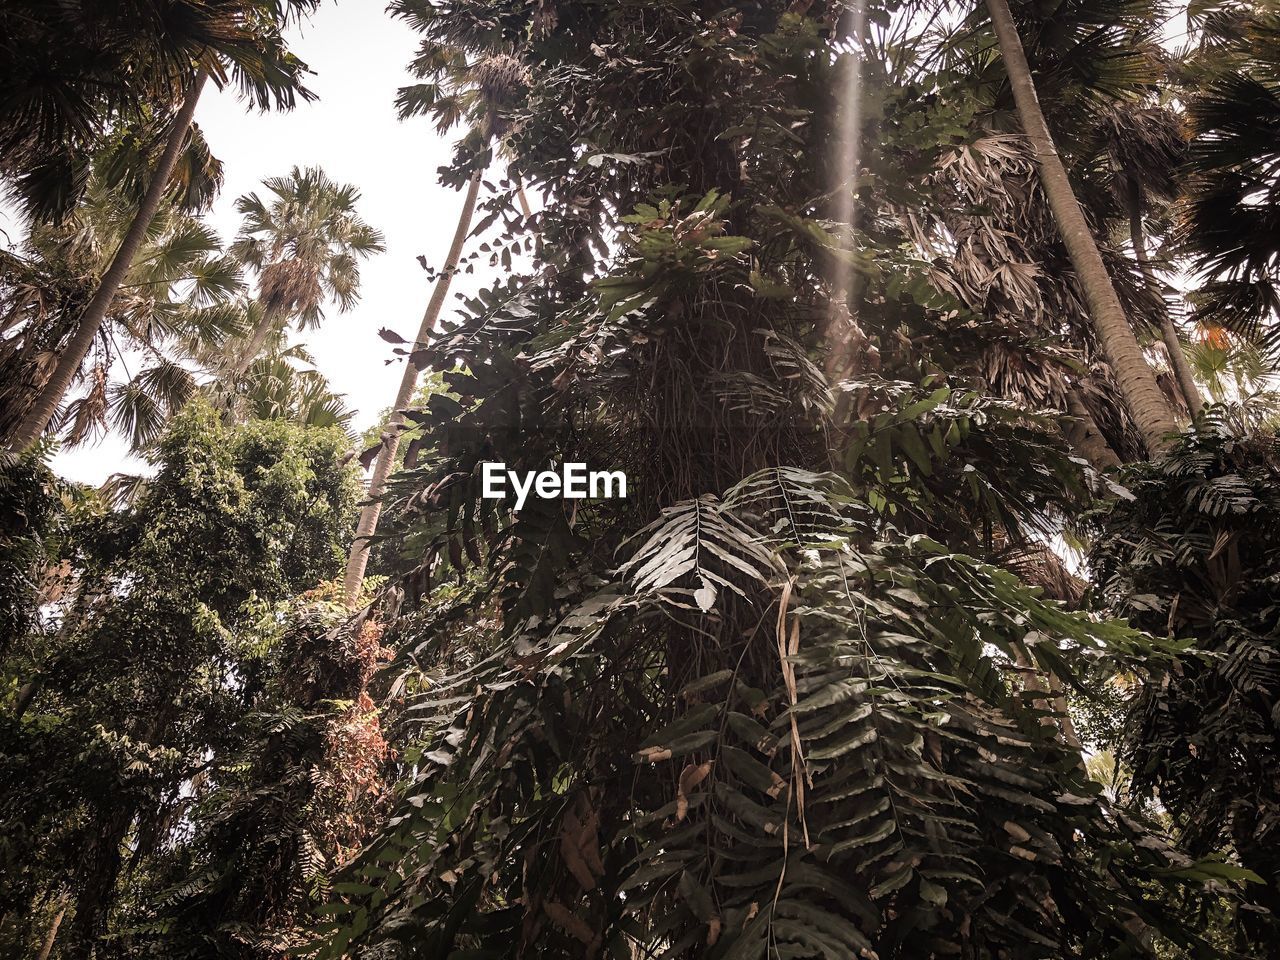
<point x="883" y="791"/>
<point x="269" y="493"/>
<point x="791" y="697"/>
<point x="172" y="307"/>
<point x="149" y="656"/>
<point x="959" y="465"/>
<point x="30" y="510"/>
<point x="1192" y="554"/>
<point x="278" y="387"/>
<point x="287" y="800"/>
<point x="753" y="709"/>
<point x="1233" y="207"/>
<point x="75" y="75"/>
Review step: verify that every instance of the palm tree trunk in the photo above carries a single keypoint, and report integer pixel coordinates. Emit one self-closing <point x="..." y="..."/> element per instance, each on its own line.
<point x="1137" y="381"/>
<point x="99" y="871"/>
<point x="250" y="353"/>
<point x="523" y="198"/>
<point x="26" y="693"/>
<point x="1062" y="707"/>
<point x="51" y="394"/>
<point x="368" y="525"/>
<point x="47" y="947"/>
<point x="1172" y="342"/>
<point x="1085" y="437"/>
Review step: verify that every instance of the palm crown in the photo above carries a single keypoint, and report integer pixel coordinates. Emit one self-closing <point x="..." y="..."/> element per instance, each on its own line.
<point x="72" y="72"/>
<point x="305" y="243"/>
<point x="172" y="308"/>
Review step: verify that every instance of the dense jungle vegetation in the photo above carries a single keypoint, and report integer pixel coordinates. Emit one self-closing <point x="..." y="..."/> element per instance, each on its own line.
<point x="937" y="340"/>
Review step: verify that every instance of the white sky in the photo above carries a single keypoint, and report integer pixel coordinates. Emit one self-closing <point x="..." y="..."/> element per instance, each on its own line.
<point x="359" y="56"/>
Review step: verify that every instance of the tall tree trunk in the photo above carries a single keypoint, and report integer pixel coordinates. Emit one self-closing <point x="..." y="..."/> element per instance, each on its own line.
<point x="70" y="621"/>
<point x="51" y="394"/>
<point x="99" y="870"/>
<point x="359" y="557"/>
<point x="1137" y="382"/>
<point x="1085" y="437"/>
<point x="26" y="693"/>
<point x="250" y="353"/>
<point x="1172" y="342"/>
<point x="47" y="947"/>
<point x="524" y="199"/>
<point x="1062" y="707"/>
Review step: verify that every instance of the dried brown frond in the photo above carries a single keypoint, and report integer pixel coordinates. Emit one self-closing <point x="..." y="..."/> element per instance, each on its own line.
<point x="90" y="411"/>
<point x="290" y="286"/>
<point x="500" y="79"/>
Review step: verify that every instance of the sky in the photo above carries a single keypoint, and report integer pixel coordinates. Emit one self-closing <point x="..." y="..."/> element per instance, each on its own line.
<point x="359" y="57"/>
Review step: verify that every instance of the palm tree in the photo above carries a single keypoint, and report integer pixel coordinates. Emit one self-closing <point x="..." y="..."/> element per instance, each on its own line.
<point x="277" y="387"/>
<point x="74" y="73"/>
<point x="1232" y="208"/>
<point x="77" y="348"/>
<point x="1145" y="146"/>
<point x="305" y="243"/>
<point x="1232" y="367"/>
<point x="994" y="248"/>
<point x="1136" y="380"/>
<point x="170" y="307"/>
<point x="478" y="92"/>
<point x="236" y="37"/>
<point x="358" y="559"/>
